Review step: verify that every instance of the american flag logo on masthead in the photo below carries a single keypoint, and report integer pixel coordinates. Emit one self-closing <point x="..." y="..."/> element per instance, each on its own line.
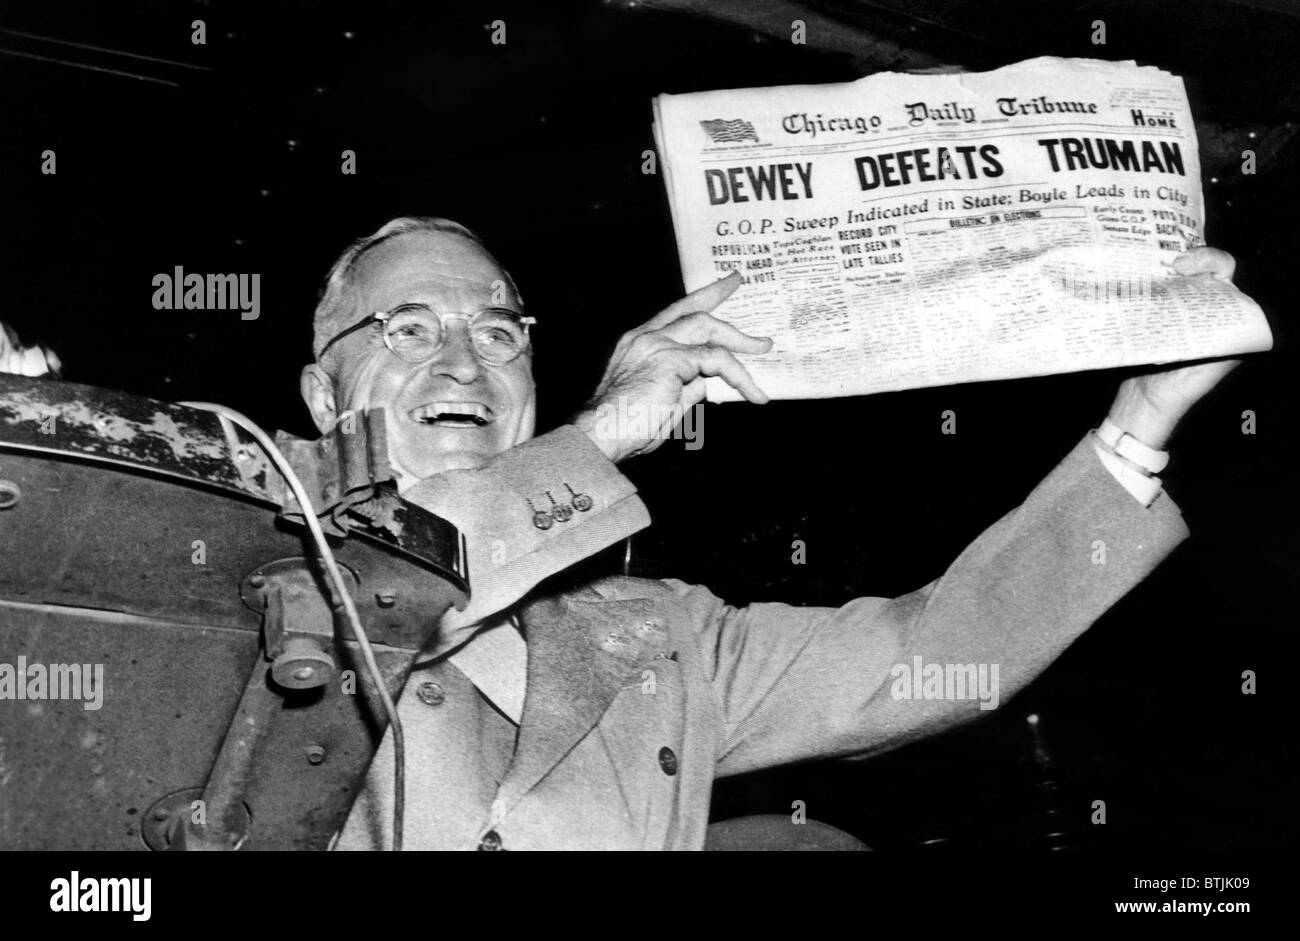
<point x="729" y="132"/>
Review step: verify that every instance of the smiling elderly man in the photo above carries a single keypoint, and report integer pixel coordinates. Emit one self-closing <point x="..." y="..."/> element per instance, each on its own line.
<point x="598" y="718"/>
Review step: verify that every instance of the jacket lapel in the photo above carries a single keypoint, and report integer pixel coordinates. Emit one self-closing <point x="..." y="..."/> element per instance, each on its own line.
<point x="583" y="648"/>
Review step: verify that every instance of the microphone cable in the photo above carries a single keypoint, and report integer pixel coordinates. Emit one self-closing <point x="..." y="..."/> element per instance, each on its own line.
<point x="349" y="607"/>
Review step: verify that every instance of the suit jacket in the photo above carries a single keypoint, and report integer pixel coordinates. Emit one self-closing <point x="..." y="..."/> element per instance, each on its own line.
<point x="639" y="693"/>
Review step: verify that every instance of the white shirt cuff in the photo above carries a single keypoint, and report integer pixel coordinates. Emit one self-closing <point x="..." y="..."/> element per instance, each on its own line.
<point x="1144" y="489"/>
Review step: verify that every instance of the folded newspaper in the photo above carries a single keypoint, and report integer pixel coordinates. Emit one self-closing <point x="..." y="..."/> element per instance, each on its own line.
<point x="903" y="231"/>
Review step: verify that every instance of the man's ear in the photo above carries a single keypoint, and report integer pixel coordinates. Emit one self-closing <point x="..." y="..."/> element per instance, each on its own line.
<point x="317" y="390"/>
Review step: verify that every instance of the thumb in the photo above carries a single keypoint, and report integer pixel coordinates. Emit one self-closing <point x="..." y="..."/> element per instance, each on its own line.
<point x="1206" y="260"/>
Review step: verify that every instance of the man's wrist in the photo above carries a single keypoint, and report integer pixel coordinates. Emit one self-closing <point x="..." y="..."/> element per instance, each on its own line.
<point x="585" y="421"/>
<point x="1134" y="413"/>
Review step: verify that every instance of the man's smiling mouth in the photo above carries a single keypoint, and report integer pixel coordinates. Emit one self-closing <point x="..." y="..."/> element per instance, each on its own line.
<point x="453" y="415"/>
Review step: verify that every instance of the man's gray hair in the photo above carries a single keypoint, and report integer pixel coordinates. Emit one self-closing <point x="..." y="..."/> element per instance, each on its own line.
<point x="336" y="309"/>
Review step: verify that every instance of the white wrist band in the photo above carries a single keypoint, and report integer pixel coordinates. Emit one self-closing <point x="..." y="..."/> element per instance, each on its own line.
<point x="1131" y="449"/>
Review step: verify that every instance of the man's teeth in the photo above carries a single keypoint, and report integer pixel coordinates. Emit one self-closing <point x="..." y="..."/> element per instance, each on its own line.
<point x="467" y="414"/>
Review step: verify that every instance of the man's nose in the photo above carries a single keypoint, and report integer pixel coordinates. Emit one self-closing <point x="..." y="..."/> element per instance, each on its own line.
<point x="457" y="358"/>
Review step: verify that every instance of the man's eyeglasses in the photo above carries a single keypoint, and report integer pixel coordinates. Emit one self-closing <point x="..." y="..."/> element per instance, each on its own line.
<point x="416" y="333"/>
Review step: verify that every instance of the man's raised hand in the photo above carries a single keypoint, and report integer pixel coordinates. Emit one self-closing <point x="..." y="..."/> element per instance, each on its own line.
<point x="659" y="368"/>
<point x="1149" y="406"/>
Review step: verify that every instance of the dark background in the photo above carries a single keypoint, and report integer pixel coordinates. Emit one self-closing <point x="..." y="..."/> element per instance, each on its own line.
<point x="226" y="158"/>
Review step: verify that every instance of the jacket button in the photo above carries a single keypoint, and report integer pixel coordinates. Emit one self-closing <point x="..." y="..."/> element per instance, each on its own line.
<point x="668" y="761"/>
<point x="430" y="694"/>
<point x="491" y="842"/>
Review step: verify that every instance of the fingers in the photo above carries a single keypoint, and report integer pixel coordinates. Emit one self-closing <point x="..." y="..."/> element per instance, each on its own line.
<point x="674" y="351"/>
<point x="1206" y="260"/>
<point x="33" y="362"/>
<point x="693" y="392"/>
<point x="705" y="299"/>
<point x="695" y="361"/>
<point x="700" y="328"/>
<point x="24" y="361"/>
